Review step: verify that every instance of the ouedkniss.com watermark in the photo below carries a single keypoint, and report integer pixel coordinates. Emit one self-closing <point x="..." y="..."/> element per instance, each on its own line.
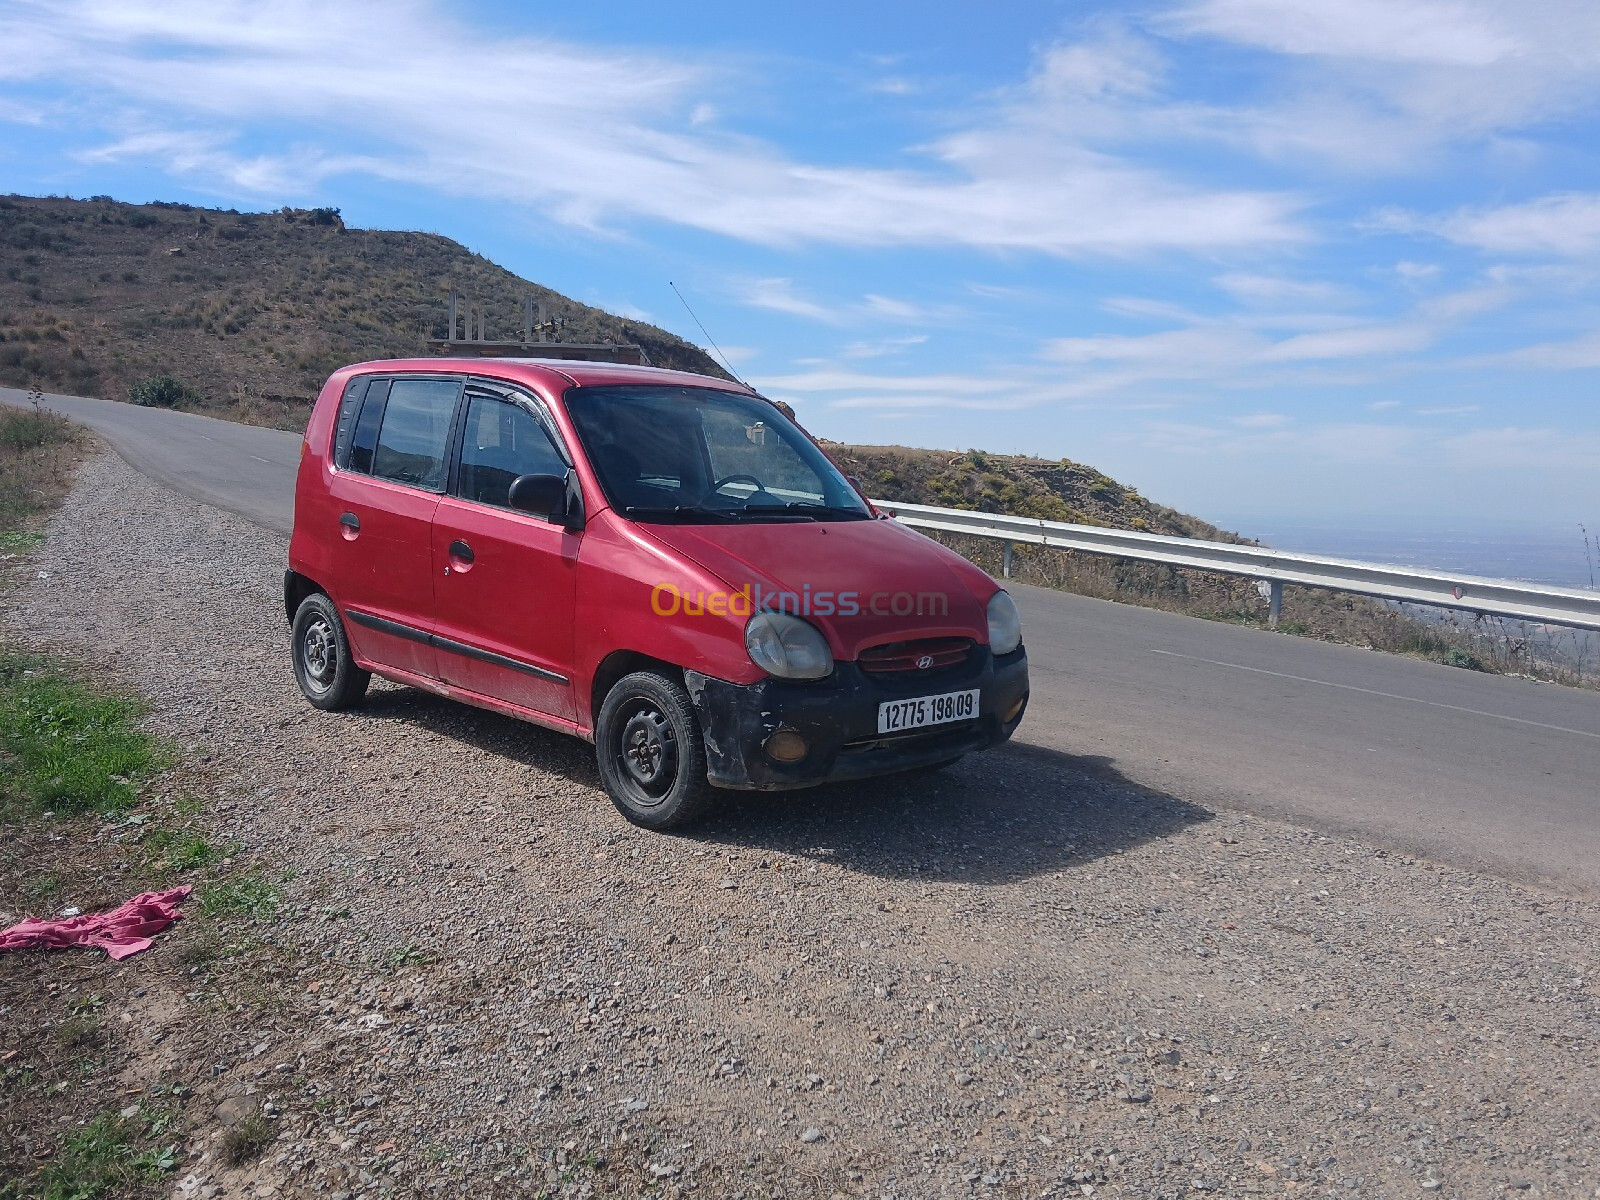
<point x="668" y="600"/>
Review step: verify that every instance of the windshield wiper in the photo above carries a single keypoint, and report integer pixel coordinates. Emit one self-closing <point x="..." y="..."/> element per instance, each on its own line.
<point x="679" y="510"/>
<point x="806" y="508"/>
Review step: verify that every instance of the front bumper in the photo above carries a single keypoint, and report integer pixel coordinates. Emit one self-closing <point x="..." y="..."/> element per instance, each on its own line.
<point x="838" y="717"/>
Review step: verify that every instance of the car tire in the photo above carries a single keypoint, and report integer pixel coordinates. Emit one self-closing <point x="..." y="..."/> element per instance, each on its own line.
<point x="651" y="753"/>
<point x="326" y="673"/>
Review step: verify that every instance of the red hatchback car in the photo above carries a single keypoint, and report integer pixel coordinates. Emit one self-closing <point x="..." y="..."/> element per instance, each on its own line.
<point x="660" y="562"/>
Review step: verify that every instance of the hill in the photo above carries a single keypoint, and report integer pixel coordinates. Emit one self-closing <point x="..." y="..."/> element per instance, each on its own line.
<point x="1002" y="483"/>
<point x="249" y="311"/>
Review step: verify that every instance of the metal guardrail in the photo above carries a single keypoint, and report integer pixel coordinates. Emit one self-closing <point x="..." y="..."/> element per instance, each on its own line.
<point x="1413" y="585"/>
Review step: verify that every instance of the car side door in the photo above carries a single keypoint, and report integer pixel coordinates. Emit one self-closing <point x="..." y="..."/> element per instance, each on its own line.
<point x="504" y="595"/>
<point x="391" y="459"/>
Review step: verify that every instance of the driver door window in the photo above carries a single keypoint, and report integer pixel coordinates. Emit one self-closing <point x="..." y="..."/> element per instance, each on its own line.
<point x="500" y="442"/>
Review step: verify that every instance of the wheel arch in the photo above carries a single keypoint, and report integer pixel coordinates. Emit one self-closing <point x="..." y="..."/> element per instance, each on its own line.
<point x="617" y="664"/>
<point x="296" y="587"/>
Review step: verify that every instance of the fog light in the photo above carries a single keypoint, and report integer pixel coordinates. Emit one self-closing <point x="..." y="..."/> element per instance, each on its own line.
<point x="786" y="746"/>
<point x="1012" y="713"/>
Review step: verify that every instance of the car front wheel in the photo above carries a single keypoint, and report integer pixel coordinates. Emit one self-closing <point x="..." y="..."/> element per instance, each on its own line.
<point x="323" y="667"/>
<point x="651" y="755"/>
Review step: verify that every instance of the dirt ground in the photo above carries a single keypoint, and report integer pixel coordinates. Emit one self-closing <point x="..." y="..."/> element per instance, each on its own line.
<point x="1023" y="976"/>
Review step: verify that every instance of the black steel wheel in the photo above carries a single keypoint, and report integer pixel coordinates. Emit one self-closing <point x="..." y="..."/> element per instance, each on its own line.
<point x="327" y="675"/>
<point x="651" y="755"/>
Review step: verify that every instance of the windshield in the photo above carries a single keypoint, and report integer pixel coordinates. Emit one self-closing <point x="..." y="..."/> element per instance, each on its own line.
<point x="699" y="455"/>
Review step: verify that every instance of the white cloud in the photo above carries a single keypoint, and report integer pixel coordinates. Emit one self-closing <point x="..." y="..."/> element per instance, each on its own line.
<point x="1218" y="349"/>
<point x="1543" y="450"/>
<point x="201" y="152"/>
<point x="1575" y="354"/>
<point x="591" y="138"/>
<point x="1114" y="63"/>
<point x="1449" y="410"/>
<point x="1364" y="341"/>
<point x="1386" y="85"/>
<point x="1346" y="443"/>
<point x="1276" y="289"/>
<point x="16" y="113"/>
<point x="1438" y="32"/>
<point x="1174" y="351"/>
<point x="858" y="350"/>
<point x="779" y="295"/>
<point x="894" y="85"/>
<point x="888" y="308"/>
<point x="624" y="308"/>
<point x="1565" y="225"/>
<point x="1415" y="272"/>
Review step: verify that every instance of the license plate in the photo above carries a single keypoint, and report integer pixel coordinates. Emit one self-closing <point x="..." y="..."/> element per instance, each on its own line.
<point x="895" y="715"/>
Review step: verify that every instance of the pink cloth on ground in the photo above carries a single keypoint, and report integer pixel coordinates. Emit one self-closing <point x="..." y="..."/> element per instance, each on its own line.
<point x="122" y="931"/>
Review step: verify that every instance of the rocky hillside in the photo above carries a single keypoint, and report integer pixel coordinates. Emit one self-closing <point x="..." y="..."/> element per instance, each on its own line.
<point x="1003" y="483"/>
<point x="248" y="311"/>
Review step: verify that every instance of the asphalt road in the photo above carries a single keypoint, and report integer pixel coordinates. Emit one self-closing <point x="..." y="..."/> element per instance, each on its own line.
<point x="1484" y="771"/>
<point x="241" y="468"/>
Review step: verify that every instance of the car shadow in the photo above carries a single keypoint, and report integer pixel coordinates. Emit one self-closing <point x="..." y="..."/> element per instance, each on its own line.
<point x="997" y="817"/>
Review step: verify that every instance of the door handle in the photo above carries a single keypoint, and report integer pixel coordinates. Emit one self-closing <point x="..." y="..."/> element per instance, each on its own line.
<point x="350" y="521"/>
<point x="459" y="549"/>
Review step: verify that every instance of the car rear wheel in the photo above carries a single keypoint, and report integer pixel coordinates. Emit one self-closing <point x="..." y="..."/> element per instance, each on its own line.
<point x="327" y="675"/>
<point x="651" y="754"/>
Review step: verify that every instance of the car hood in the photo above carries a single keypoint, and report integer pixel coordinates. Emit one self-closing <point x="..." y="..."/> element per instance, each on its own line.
<point x="882" y="581"/>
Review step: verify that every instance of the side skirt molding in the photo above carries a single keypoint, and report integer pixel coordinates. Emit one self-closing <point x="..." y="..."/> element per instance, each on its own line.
<point x="413" y="634"/>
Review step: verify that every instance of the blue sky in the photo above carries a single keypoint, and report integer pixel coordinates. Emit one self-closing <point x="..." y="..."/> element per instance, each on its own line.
<point x="1255" y="257"/>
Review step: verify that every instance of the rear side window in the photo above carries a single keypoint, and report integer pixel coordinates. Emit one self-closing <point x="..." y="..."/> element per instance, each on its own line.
<point x="414" y="433"/>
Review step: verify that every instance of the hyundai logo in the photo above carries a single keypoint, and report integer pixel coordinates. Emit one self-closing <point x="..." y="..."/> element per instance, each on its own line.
<point x="924" y="662"/>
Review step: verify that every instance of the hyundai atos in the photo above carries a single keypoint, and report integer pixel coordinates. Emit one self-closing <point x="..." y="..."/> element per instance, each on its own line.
<point x="660" y="562"/>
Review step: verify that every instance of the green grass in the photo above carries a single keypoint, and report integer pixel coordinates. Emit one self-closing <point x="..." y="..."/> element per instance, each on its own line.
<point x="79" y="1031"/>
<point x="181" y="850"/>
<point x="102" y="1158"/>
<point x="405" y="956"/>
<point x="247" y="1139"/>
<point x="246" y="896"/>
<point x="44" y="886"/>
<point x="25" y="541"/>
<point x="30" y="476"/>
<point x="66" y="747"/>
<point x="30" y="429"/>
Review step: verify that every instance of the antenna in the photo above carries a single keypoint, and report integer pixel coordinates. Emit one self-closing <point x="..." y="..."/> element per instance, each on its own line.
<point x="714" y="345"/>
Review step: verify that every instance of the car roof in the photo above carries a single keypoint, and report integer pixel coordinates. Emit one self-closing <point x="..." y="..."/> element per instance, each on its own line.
<point x="556" y="373"/>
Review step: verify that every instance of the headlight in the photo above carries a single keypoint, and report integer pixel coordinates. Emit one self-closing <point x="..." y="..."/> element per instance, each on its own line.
<point x="1005" y="624"/>
<point x="787" y="647"/>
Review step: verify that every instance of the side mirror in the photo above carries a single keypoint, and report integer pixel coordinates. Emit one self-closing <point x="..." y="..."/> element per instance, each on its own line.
<point x="539" y="495"/>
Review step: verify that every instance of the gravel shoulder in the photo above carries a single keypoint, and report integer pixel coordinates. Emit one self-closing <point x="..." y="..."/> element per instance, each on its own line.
<point x="1020" y="976"/>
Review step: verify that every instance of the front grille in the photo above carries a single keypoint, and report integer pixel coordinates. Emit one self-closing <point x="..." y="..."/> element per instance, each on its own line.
<point x="907" y="658"/>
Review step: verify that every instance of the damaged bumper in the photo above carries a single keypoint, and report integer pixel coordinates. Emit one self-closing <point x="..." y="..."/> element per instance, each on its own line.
<point x="838" y="719"/>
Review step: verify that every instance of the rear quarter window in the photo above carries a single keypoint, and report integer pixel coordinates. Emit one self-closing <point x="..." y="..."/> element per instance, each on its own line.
<point x="345" y="428"/>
